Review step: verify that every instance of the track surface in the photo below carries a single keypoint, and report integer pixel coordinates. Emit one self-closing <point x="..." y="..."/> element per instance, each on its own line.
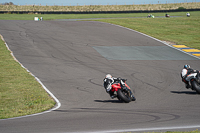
<point x="63" y="56"/>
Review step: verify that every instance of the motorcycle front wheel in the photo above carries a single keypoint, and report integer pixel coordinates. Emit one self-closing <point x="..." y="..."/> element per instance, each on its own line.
<point x="124" y="95"/>
<point x="195" y="86"/>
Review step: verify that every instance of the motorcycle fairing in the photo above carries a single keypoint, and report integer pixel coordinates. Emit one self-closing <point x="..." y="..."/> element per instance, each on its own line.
<point x="117" y="86"/>
<point x="191" y="76"/>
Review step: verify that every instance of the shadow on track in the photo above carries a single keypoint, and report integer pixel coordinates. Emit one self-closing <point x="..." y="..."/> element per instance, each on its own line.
<point x="185" y="92"/>
<point x="109" y="101"/>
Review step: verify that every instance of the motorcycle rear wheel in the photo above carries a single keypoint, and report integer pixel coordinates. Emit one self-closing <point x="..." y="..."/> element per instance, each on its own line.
<point x="196" y="86"/>
<point x="124" y="95"/>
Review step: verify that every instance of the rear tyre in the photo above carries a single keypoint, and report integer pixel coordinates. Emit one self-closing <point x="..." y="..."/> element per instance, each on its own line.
<point x="124" y="95"/>
<point x="195" y="86"/>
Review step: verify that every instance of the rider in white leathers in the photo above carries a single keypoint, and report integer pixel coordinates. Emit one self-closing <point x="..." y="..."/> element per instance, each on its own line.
<point x="108" y="85"/>
<point x="187" y="73"/>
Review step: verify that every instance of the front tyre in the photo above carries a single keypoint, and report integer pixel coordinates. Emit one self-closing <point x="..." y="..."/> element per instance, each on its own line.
<point x="195" y="86"/>
<point x="124" y="95"/>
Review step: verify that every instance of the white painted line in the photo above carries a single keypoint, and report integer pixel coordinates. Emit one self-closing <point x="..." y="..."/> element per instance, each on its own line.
<point x="58" y="104"/>
<point x="145" y="129"/>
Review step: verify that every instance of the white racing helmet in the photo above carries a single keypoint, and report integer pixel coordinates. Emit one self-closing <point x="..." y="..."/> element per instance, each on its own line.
<point x="108" y="76"/>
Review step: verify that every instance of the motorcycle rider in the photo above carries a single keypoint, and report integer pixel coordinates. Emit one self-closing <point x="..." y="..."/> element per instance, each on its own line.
<point x="109" y="80"/>
<point x="186" y="74"/>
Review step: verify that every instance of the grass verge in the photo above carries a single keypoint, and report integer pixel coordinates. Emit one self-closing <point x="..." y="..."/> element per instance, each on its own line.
<point x="180" y="30"/>
<point x="20" y="93"/>
<point x="195" y="131"/>
<point x="85" y="16"/>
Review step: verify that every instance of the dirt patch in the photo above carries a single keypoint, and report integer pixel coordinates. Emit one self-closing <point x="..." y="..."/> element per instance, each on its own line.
<point x="170" y="43"/>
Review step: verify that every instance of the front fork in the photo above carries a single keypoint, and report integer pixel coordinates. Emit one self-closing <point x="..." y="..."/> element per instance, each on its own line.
<point x="131" y="94"/>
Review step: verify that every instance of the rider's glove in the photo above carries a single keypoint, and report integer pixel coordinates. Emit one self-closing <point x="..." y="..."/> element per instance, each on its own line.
<point x="122" y="83"/>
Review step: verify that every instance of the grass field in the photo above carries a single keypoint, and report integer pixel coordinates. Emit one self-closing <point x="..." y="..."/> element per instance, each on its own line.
<point x="21" y="94"/>
<point x="195" y="131"/>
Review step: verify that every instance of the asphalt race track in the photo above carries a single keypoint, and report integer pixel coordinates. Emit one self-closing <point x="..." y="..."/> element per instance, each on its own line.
<point x="71" y="58"/>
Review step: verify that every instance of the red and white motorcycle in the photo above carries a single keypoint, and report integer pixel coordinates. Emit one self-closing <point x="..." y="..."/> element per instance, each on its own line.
<point x="194" y="81"/>
<point x="120" y="89"/>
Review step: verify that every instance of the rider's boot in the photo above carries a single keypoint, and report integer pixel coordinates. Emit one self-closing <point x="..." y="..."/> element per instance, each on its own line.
<point x="112" y="95"/>
<point x="187" y="86"/>
<point x="133" y="98"/>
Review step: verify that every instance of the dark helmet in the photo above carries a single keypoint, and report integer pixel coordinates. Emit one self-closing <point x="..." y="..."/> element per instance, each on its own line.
<point x="186" y="66"/>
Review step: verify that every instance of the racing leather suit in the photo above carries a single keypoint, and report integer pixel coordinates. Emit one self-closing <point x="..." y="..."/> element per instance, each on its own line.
<point x="108" y="86"/>
<point x="186" y="74"/>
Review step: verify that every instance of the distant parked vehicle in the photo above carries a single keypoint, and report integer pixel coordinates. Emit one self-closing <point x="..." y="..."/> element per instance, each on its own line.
<point x="188" y="14"/>
<point x="167" y="15"/>
<point x="150" y="16"/>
